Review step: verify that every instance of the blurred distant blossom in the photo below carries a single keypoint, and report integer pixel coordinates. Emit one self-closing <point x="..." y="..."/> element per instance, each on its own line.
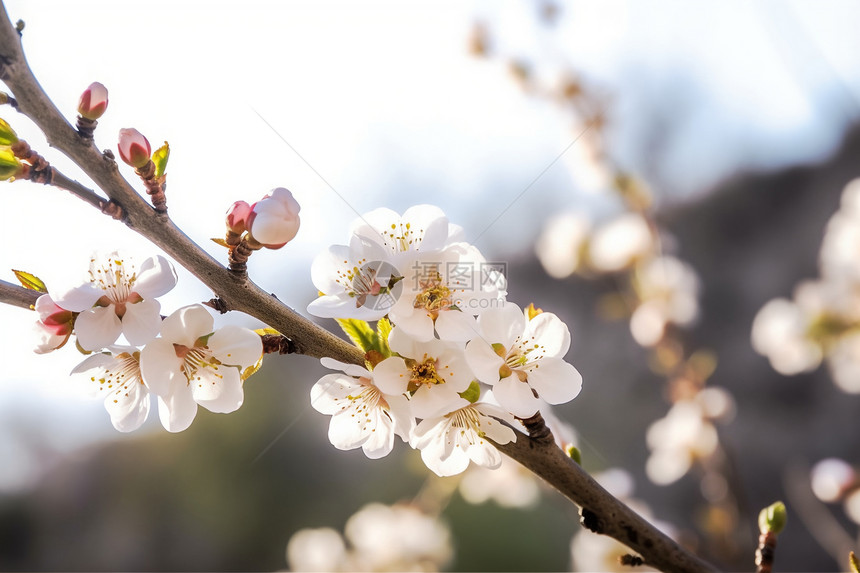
<point x="685" y="434"/>
<point x="562" y="243"/>
<point x="822" y="321"/>
<point x="619" y="243"/>
<point x="376" y="538"/>
<point x="509" y="485"/>
<point x="668" y="290"/>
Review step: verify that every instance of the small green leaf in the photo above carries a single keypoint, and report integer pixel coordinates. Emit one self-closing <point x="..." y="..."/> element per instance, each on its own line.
<point x="773" y="518"/>
<point x="854" y="562"/>
<point x="7" y="134"/>
<point x="160" y="157"/>
<point x="574" y="454"/>
<point x="359" y="332"/>
<point x="30" y="281"/>
<point x="221" y="242"/>
<point x="380" y="341"/>
<point x="472" y="393"/>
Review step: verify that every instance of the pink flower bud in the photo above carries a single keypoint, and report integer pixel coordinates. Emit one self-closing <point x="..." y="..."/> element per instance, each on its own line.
<point x="93" y="101"/>
<point x="237" y="217"/>
<point x="134" y="148"/>
<point x="274" y="219"/>
<point x="54" y="325"/>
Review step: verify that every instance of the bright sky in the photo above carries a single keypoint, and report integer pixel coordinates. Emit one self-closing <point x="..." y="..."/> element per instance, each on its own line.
<point x="379" y="103"/>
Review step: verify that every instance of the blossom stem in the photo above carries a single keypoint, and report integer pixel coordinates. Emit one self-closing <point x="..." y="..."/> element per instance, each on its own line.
<point x="155" y="186"/>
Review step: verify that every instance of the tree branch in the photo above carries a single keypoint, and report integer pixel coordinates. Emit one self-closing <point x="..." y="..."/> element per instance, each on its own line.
<point x="601" y="511"/>
<point x="237" y="292"/>
<point x="17" y="295"/>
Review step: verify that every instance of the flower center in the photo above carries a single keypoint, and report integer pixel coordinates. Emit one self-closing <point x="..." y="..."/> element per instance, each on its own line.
<point x="424" y="373"/>
<point x="125" y="371"/>
<point x="195" y="359"/>
<point x="116" y="281"/>
<point x="467" y="419"/>
<point x="402" y="237"/>
<point x="434" y="295"/>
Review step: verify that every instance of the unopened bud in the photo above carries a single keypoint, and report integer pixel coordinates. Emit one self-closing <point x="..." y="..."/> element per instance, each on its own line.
<point x="134" y="148"/>
<point x="772" y="519"/>
<point x="237" y="217"/>
<point x="93" y="102"/>
<point x="274" y="219"/>
<point x="7" y="134"/>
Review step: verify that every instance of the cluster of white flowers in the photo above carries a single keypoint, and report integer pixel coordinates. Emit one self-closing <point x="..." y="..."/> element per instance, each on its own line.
<point x="448" y="350"/>
<point x="182" y="359"/>
<point x="374" y="540"/>
<point x="822" y="320"/>
<point x="665" y="289"/>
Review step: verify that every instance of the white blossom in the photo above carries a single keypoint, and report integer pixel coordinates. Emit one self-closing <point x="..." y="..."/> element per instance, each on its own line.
<point x="357" y="281"/>
<point x="192" y="363"/>
<point x="118" y="381"/>
<point x="118" y="300"/>
<point x="432" y="374"/>
<point x="520" y="356"/>
<point x="443" y="291"/>
<point x="361" y="415"/>
<point x="449" y="441"/>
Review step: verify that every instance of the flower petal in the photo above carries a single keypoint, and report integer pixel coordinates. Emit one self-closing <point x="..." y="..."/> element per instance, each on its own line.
<point x="97" y="327"/>
<point x="160" y="367"/>
<point x="128" y="405"/>
<point x="155" y="278"/>
<point x="555" y="380"/>
<point x="550" y="332"/>
<point x="218" y="389"/>
<point x="392" y="376"/>
<point x="79" y="298"/>
<point x="483" y="361"/>
<point x="177" y="410"/>
<point x="517" y="397"/>
<point x="502" y="325"/>
<point x="187" y="324"/>
<point x="236" y="346"/>
<point x="456" y="326"/>
<point x="142" y="321"/>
